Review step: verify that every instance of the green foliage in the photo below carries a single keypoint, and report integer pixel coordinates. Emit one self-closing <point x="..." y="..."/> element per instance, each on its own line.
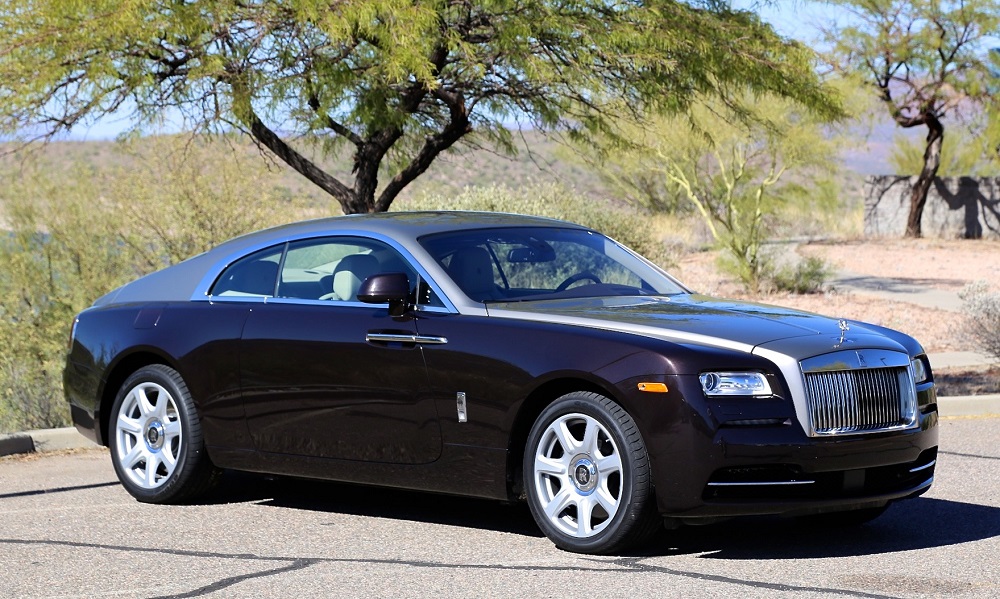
<point x="965" y="152"/>
<point x="727" y="162"/>
<point x="807" y="276"/>
<point x="627" y="226"/>
<point x="398" y="82"/>
<point x="75" y="234"/>
<point x="981" y="306"/>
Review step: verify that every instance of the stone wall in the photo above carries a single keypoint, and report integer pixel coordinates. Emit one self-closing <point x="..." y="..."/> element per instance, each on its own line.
<point x="957" y="207"/>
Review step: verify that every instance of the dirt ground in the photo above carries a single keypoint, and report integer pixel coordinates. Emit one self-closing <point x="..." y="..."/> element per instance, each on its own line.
<point x="940" y="264"/>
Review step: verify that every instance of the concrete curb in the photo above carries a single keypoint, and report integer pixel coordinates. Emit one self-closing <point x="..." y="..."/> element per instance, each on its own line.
<point x="969" y="405"/>
<point x="16" y="443"/>
<point x="70" y="438"/>
<point x="44" y="440"/>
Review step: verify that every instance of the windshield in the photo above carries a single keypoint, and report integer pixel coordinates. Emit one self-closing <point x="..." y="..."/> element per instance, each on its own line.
<point x="535" y="263"/>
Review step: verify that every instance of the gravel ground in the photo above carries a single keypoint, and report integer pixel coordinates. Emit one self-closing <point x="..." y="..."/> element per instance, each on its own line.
<point x="940" y="264"/>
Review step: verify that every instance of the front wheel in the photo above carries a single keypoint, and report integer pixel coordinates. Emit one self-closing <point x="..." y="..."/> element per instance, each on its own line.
<point x="587" y="476"/>
<point x="156" y="446"/>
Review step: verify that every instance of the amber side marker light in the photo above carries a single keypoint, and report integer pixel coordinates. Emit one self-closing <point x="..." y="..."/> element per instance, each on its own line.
<point x="653" y="387"/>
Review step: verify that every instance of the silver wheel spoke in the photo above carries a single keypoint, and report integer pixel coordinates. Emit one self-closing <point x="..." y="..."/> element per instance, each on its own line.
<point x="171" y="430"/>
<point x="589" y="443"/>
<point x="544" y="465"/>
<point x="569" y="444"/>
<point x="152" y="463"/>
<point x="606" y="500"/>
<point x="130" y="426"/>
<point x="133" y="457"/>
<point x="147" y="408"/>
<point x="563" y="499"/>
<point x="609" y="464"/>
<point x="584" y="511"/>
<point x="168" y="460"/>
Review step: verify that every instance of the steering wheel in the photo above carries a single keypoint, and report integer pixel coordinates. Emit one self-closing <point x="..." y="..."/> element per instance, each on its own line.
<point x="580" y="276"/>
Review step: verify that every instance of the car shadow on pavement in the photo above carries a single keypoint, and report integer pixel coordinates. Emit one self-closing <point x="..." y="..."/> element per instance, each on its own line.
<point x="376" y="502"/>
<point x="920" y="523"/>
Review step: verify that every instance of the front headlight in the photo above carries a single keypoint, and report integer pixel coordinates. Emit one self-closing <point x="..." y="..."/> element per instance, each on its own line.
<point x="921" y="372"/>
<point x="734" y="384"/>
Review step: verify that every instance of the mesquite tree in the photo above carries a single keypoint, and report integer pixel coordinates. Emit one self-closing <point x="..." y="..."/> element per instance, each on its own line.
<point x="395" y="81"/>
<point x="926" y="61"/>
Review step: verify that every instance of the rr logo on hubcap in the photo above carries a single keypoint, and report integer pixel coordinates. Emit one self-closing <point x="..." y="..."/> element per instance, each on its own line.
<point x="584" y="474"/>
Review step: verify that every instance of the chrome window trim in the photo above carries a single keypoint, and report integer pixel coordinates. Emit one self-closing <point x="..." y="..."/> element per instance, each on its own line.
<point x="310" y="302"/>
<point x="201" y="291"/>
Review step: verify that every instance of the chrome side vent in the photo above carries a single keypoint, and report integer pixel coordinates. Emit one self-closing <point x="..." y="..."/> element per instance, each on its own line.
<point x="847" y="397"/>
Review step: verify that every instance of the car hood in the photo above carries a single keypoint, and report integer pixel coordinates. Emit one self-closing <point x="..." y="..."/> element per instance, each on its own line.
<point x="705" y="320"/>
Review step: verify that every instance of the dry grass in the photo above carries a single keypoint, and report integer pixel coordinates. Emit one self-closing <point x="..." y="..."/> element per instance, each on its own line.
<point x="967" y="381"/>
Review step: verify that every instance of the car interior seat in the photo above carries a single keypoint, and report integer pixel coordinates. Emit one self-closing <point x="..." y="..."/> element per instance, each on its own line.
<point x="472" y="269"/>
<point x="350" y="272"/>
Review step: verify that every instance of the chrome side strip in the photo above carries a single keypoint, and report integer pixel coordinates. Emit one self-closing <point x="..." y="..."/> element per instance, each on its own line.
<point x="924" y="467"/>
<point x="395" y="338"/>
<point x="762" y="484"/>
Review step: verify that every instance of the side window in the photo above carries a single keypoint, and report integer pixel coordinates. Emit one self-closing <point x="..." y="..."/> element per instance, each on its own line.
<point x="252" y="276"/>
<point x="333" y="268"/>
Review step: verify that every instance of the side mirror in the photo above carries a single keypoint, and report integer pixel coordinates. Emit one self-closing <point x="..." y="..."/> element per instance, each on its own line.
<point x="392" y="288"/>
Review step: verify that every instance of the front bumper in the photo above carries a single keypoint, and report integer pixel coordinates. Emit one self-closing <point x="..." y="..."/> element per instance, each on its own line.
<point x="712" y="460"/>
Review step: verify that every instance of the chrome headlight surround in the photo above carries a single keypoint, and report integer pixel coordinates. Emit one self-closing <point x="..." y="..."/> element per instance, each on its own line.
<point x="734" y="384"/>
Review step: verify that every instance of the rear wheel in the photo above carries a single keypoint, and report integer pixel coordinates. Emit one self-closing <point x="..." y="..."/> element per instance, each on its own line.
<point x="156" y="447"/>
<point x="587" y="476"/>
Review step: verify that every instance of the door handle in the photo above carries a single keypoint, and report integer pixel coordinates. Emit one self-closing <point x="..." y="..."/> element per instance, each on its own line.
<point x="405" y="338"/>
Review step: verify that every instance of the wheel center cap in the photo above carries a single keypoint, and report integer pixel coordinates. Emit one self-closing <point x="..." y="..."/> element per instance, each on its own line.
<point x="154" y="435"/>
<point x="584" y="474"/>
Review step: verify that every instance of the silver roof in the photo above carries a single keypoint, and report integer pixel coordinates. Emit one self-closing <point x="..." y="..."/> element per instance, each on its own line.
<point x="400" y="226"/>
<point x="193" y="276"/>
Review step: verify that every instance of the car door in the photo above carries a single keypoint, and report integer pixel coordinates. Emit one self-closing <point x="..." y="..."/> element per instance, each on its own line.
<point x="324" y="375"/>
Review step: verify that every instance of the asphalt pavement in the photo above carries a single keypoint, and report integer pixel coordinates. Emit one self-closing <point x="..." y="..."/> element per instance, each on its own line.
<point x="68" y="529"/>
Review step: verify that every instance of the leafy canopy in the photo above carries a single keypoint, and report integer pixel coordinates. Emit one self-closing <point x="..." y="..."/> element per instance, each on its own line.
<point x="397" y="82"/>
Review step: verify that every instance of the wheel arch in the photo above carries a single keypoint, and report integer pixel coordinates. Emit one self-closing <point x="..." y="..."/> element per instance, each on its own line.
<point x="121" y="370"/>
<point x="529" y="410"/>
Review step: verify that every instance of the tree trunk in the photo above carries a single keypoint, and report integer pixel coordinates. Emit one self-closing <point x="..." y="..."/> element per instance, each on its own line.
<point x="932" y="160"/>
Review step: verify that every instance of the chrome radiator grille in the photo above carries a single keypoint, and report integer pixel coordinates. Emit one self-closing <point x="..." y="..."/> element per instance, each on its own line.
<point x="862" y="400"/>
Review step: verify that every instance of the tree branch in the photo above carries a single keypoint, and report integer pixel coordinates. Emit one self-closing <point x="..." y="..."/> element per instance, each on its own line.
<point x="297" y="161"/>
<point x="458" y="125"/>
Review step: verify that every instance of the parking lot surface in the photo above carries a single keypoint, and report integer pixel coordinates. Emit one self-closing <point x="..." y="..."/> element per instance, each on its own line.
<point x="67" y="529"/>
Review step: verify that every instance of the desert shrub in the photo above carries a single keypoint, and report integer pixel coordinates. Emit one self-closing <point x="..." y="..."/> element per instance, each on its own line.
<point x="807" y="276"/>
<point x="981" y="307"/>
<point x="77" y="232"/>
<point x="626" y="225"/>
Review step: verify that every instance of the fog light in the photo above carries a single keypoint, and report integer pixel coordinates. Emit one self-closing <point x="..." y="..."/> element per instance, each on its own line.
<point x="734" y="384"/>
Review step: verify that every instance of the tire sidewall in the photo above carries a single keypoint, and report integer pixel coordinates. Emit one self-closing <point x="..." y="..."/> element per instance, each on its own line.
<point x="185" y="414"/>
<point x="628" y="511"/>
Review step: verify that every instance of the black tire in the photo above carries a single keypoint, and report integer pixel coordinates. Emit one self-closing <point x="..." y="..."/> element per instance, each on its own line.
<point x="155" y="438"/>
<point x="578" y="489"/>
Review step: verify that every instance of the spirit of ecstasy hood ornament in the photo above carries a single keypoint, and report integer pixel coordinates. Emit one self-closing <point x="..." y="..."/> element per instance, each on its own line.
<point x="844" y="327"/>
